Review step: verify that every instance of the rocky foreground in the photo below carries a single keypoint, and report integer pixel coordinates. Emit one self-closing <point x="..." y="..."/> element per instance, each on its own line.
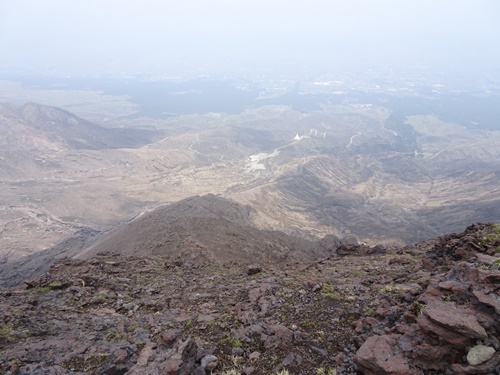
<point x="432" y="308"/>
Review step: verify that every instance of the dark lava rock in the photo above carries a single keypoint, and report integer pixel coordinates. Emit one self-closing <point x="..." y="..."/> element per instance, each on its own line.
<point x="366" y="311"/>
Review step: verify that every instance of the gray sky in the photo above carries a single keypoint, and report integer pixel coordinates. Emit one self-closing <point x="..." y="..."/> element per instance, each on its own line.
<point x="102" y="36"/>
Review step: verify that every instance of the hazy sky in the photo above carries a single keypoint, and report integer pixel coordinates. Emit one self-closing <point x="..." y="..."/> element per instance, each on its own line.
<point x="101" y="36"/>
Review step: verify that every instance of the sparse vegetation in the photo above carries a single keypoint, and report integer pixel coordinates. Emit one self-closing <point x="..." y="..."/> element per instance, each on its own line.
<point x="495" y="228"/>
<point x="232" y="342"/>
<point x="392" y="287"/>
<point x="57" y="285"/>
<point x="326" y="371"/>
<point x="329" y="291"/>
<point x="232" y="371"/>
<point x="6" y="331"/>
<point x="86" y="364"/>
<point x="493" y="236"/>
<point x="369" y="310"/>
<point x="40" y="289"/>
<point x="114" y="336"/>
<point x="490" y="238"/>
<point x="421" y="279"/>
<point x="418" y="308"/>
<point x="447" y="297"/>
<point x="131" y="328"/>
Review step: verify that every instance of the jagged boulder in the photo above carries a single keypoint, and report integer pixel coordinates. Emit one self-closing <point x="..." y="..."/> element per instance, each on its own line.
<point x="382" y="355"/>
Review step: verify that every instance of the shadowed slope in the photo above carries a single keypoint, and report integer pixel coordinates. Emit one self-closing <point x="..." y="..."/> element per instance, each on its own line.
<point x="205" y="229"/>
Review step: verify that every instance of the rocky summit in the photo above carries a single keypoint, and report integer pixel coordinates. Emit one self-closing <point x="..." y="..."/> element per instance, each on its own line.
<point x="430" y="308"/>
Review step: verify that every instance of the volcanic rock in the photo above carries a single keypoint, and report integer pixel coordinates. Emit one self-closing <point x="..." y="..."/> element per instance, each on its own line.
<point x="456" y="310"/>
<point x="375" y="313"/>
<point x="377" y="356"/>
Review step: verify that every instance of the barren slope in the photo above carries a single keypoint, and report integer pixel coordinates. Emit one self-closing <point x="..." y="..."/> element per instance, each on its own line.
<point x="421" y="310"/>
<point x="205" y="229"/>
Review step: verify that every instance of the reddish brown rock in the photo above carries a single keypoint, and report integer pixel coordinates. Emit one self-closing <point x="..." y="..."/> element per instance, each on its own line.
<point x="427" y="264"/>
<point x="281" y="331"/>
<point x="379" y="356"/>
<point x="255" y="293"/>
<point x="451" y="323"/>
<point x="253" y="269"/>
<point x="171" y="367"/>
<point x="431" y="357"/>
<point x="168" y="337"/>
<point x="488" y="299"/>
<point x="441" y="333"/>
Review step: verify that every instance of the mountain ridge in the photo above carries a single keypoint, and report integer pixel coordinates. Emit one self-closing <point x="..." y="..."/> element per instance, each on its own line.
<point x="202" y="230"/>
<point x="34" y="126"/>
<point x="210" y="227"/>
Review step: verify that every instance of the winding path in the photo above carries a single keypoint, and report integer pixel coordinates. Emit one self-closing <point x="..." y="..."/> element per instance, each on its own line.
<point x="190" y="148"/>
<point x="352" y="138"/>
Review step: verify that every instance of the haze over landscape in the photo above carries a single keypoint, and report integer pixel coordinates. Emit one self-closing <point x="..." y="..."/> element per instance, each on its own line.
<point x="224" y="37"/>
<point x="278" y="136"/>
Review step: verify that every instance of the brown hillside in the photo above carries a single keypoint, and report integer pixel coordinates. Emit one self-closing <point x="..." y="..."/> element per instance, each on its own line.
<point x="205" y="229"/>
<point x="35" y="126"/>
